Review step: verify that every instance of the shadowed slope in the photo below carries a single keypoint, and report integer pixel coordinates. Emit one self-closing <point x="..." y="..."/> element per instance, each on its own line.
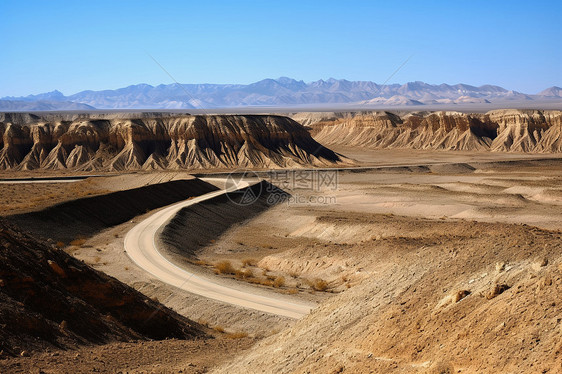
<point x="48" y="298"/>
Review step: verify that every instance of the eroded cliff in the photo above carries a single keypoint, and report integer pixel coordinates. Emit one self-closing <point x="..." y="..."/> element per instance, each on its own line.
<point x="159" y="142"/>
<point x="499" y="131"/>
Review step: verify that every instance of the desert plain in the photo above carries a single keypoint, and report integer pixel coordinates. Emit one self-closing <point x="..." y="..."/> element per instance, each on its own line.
<point x="364" y="242"/>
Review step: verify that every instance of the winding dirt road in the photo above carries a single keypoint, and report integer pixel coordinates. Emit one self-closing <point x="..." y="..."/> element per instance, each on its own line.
<point x="140" y="245"/>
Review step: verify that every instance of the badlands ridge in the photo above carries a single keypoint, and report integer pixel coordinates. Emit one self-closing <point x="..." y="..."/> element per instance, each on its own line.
<point x="145" y="141"/>
<point x="173" y="142"/>
<point x="498" y="131"/>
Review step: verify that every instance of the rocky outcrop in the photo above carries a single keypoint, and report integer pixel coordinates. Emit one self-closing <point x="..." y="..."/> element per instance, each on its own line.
<point x="498" y="131"/>
<point x="159" y="142"/>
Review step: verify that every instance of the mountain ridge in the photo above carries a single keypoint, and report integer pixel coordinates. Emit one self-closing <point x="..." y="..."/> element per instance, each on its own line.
<point x="283" y="91"/>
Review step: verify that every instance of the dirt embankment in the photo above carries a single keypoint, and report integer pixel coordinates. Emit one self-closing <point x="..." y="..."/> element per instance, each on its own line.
<point x="49" y="299"/>
<point x="83" y="217"/>
<point x="201" y="224"/>
<point x="434" y="297"/>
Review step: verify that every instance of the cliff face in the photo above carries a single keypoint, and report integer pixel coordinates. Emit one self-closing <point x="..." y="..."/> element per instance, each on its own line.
<point x="160" y="142"/>
<point x="499" y="131"/>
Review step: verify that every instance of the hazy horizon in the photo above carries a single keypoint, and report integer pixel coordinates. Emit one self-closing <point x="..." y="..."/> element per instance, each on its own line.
<point x="273" y="78"/>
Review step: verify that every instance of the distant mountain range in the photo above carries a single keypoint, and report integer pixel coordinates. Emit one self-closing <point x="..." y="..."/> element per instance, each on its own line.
<point x="282" y="92"/>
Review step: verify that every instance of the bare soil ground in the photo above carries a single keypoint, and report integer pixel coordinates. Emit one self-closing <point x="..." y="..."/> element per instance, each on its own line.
<point x="454" y="266"/>
<point x="166" y="356"/>
<point x="25" y="197"/>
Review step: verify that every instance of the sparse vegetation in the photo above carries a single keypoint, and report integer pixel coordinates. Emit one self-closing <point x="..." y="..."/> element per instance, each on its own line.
<point x="249" y="262"/>
<point x="224" y="267"/>
<point x="78" y="242"/>
<point x="200" y="262"/>
<point x="244" y="274"/>
<point x="237" y="335"/>
<point x="219" y="329"/>
<point x="279" y="282"/>
<point x="319" y="285"/>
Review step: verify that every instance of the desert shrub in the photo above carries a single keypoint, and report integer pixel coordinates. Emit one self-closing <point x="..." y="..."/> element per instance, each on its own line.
<point x="279" y="282"/>
<point x="319" y="285"/>
<point x="244" y="274"/>
<point x="263" y="282"/>
<point x="224" y="267"/>
<point x="249" y="262"/>
<point x="203" y="322"/>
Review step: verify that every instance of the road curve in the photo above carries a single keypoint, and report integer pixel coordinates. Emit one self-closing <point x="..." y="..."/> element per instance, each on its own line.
<point x="140" y="246"/>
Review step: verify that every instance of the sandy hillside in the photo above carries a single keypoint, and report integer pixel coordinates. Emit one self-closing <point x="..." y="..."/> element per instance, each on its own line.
<point x="450" y="293"/>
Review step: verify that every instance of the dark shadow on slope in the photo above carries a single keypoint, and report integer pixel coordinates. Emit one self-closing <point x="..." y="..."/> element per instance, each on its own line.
<point x="198" y="225"/>
<point x="86" y="216"/>
<point x="50" y="299"/>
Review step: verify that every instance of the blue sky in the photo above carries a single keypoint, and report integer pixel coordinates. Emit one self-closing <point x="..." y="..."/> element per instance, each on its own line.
<point x="77" y="45"/>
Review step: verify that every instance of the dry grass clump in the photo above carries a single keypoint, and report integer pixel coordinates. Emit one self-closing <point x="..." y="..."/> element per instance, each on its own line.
<point x="224" y="267"/>
<point x="200" y="262"/>
<point x="279" y="282"/>
<point x="237" y="335"/>
<point x="249" y="262"/>
<point x="319" y="284"/>
<point x="244" y="274"/>
<point x="219" y="329"/>
<point x="261" y="281"/>
<point x="78" y="242"/>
